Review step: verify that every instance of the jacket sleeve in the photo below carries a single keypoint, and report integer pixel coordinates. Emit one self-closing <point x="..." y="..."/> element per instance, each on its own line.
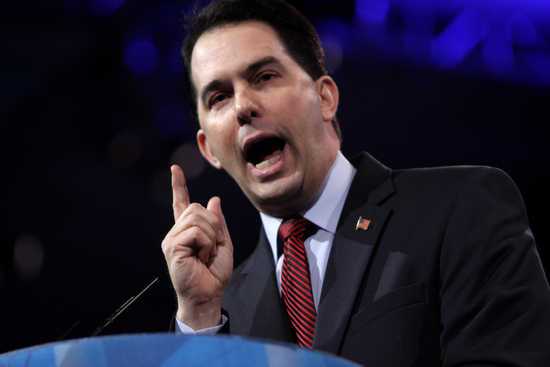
<point x="495" y="298"/>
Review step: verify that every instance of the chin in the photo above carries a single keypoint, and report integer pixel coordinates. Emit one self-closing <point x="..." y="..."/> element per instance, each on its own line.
<point x="280" y="201"/>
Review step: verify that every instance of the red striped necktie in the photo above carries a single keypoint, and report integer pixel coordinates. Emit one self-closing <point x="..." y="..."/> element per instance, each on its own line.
<point x="295" y="280"/>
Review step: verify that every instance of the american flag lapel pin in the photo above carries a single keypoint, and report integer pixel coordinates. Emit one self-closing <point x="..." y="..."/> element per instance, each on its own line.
<point x="363" y="224"/>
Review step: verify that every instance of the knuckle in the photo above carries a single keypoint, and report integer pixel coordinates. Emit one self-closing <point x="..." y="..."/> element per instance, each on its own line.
<point x="216" y="223"/>
<point x="193" y="217"/>
<point x="176" y="207"/>
<point x="165" y="244"/>
<point x="194" y="233"/>
<point x="194" y="207"/>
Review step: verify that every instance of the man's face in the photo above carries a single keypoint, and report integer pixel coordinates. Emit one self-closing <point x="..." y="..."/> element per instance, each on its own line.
<point x="263" y="119"/>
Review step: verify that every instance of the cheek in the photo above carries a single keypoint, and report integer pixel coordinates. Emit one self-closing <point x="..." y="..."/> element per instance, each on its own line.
<point x="298" y="104"/>
<point x="306" y="102"/>
<point x="223" y="143"/>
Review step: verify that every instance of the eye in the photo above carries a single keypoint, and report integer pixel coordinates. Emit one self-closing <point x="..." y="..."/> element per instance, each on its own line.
<point x="216" y="98"/>
<point x="264" y="77"/>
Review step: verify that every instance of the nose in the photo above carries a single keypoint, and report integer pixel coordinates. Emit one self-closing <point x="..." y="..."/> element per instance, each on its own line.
<point x="246" y="107"/>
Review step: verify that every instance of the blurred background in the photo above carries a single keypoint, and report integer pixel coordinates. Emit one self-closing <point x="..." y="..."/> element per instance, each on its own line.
<point x="93" y="112"/>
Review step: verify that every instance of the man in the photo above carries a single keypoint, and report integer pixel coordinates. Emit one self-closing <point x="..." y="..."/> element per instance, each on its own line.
<point x="421" y="267"/>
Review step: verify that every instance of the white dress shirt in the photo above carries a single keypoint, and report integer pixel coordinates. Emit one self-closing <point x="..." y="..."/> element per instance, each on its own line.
<point x="325" y="214"/>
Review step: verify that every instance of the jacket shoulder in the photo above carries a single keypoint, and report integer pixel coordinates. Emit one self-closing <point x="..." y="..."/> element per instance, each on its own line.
<point x="450" y="174"/>
<point x="451" y="180"/>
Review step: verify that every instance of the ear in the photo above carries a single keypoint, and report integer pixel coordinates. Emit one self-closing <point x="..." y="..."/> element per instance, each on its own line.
<point x="206" y="151"/>
<point x="330" y="97"/>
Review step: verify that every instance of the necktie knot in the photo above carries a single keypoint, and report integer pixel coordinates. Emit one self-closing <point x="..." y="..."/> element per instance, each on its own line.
<point x="296" y="227"/>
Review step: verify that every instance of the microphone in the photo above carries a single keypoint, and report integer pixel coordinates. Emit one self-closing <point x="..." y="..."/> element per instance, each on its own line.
<point x="109" y="320"/>
<point x="122" y="308"/>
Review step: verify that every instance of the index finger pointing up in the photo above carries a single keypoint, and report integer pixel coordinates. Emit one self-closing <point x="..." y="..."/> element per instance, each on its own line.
<point x="180" y="194"/>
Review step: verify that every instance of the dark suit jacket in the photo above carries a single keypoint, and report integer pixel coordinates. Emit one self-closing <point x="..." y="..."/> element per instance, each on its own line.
<point x="447" y="274"/>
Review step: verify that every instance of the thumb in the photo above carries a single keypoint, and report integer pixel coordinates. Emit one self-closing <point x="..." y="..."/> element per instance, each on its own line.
<point x="215" y="206"/>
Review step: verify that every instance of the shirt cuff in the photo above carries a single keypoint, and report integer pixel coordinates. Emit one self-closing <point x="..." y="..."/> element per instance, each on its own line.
<point x="183" y="328"/>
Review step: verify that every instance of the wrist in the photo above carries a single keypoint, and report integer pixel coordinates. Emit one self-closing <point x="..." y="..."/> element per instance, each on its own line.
<point x="200" y="316"/>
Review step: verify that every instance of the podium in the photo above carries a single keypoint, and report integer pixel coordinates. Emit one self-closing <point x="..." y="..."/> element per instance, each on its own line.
<point x="167" y="350"/>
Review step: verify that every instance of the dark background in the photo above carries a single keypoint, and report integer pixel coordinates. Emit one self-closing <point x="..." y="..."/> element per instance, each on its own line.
<point x="93" y="112"/>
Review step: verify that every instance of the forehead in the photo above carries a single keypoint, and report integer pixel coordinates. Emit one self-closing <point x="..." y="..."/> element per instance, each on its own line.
<point x="228" y="49"/>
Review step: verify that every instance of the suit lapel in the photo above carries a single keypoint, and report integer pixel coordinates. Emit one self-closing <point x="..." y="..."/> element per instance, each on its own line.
<point x="261" y="316"/>
<point x="352" y="250"/>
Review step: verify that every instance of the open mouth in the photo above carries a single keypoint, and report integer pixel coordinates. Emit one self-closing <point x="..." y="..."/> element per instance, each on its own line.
<point x="265" y="152"/>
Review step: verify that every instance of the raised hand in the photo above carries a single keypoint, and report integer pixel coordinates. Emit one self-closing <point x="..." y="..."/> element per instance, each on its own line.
<point x="199" y="255"/>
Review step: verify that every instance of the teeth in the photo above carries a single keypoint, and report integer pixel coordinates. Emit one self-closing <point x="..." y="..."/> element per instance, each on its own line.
<point x="268" y="162"/>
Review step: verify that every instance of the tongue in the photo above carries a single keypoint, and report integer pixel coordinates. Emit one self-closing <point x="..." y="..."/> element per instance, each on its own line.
<point x="269" y="160"/>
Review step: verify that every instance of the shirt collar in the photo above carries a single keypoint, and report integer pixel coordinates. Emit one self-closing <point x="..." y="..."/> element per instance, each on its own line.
<point x="325" y="212"/>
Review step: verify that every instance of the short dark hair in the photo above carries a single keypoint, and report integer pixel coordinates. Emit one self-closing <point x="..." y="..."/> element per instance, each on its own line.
<point x="296" y="33"/>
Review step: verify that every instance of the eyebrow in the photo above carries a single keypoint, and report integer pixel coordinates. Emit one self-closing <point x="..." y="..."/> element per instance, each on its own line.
<point x="246" y="74"/>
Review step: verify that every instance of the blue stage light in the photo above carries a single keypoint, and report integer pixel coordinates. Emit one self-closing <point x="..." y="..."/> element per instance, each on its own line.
<point x="452" y="46"/>
<point x="416" y="47"/>
<point x="372" y="11"/>
<point x="105" y="7"/>
<point x="174" y="60"/>
<point x="335" y="30"/>
<point x="504" y="38"/>
<point x="141" y="56"/>
<point x="498" y="54"/>
<point x="522" y="31"/>
<point x="538" y="64"/>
